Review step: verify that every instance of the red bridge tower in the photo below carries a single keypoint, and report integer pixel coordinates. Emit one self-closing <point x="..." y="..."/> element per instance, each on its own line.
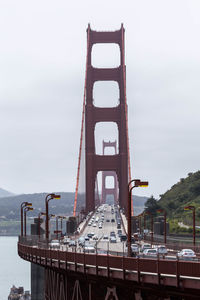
<point x="117" y="163"/>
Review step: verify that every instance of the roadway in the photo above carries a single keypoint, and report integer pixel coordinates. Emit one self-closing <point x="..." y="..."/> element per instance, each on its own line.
<point x="107" y="227"/>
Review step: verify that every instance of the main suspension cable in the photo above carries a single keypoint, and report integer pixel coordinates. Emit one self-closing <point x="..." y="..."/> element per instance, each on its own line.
<point x="82" y="128"/>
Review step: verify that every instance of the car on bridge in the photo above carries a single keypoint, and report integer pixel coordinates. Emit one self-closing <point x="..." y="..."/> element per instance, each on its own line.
<point x="105" y="237"/>
<point x="162" y="250"/>
<point x="112" y="233"/>
<point x="113" y="239"/>
<point x="144" y="247"/>
<point x="119" y="232"/>
<point x="150" y="253"/>
<point x="186" y="254"/>
<point x="66" y="240"/>
<point x="123" y="238"/>
<point x="81" y="241"/>
<point x="72" y="243"/>
<point x="89" y="248"/>
<point x="134" y="249"/>
<point x="54" y="244"/>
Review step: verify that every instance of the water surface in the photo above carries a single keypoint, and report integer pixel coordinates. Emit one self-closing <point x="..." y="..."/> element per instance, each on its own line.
<point x="13" y="269"/>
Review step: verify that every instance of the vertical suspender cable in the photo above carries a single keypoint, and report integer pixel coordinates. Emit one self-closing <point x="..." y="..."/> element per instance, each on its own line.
<point x="82" y="127"/>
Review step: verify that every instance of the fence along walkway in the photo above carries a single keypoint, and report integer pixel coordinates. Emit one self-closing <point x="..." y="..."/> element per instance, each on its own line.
<point x="184" y="274"/>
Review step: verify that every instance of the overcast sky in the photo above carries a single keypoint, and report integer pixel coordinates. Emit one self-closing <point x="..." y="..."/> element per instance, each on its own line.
<point x="42" y="68"/>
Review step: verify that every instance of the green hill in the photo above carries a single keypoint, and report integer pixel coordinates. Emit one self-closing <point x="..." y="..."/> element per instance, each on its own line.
<point x="185" y="192"/>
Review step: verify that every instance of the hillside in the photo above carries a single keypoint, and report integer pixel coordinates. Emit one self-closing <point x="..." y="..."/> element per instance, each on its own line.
<point x="4" y="193"/>
<point x="10" y="209"/>
<point x="10" y="206"/>
<point x="184" y="193"/>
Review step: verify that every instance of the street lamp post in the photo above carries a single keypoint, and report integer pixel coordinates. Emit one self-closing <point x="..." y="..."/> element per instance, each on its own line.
<point x="47" y="199"/>
<point x="23" y="204"/>
<point x="39" y="215"/>
<point x="137" y="183"/>
<point x="25" y="211"/>
<point x="191" y="207"/>
<point x="165" y="223"/>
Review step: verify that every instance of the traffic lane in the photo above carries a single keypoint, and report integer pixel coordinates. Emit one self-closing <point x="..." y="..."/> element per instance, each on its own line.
<point x="107" y="227"/>
<point x="100" y="232"/>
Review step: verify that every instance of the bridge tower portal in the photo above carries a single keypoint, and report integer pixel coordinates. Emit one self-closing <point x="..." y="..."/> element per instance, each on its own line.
<point x="105" y="190"/>
<point x="116" y="163"/>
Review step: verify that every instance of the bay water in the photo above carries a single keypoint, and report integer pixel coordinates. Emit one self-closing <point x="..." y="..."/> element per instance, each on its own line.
<point x="13" y="269"/>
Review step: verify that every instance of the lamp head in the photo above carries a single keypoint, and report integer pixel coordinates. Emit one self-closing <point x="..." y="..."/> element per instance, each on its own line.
<point x="54" y="196"/>
<point x="143" y="183"/>
<point x="29" y="208"/>
<point x="189" y="207"/>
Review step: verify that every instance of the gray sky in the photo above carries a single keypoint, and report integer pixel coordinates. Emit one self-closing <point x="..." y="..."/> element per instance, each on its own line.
<point x="42" y="65"/>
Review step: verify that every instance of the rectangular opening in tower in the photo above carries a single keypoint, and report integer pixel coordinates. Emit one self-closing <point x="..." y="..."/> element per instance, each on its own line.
<point x="107" y="131"/>
<point x="105" y="55"/>
<point x="106" y="94"/>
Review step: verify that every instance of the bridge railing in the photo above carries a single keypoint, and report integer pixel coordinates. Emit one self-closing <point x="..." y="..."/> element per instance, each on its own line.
<point x="127" y="266"/>
<point x="42" y="243"/>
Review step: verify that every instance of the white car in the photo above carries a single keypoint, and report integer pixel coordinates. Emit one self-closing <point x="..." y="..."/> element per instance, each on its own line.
<point x="145" y="246"/>
<point x="72" y="243"/>
<point x="94" y="225"/>
<point x="162" y="250"/>
<point x="66" y="240"/>
<point x="55" y="244"/>
<point x="134" y="248"/>
<point x="89" y="249"/>
<point x="100" y="226"/>
<point x="186" y="254"/>
<point x="113" y="239"/>
<point x="150" y="252"/>
<point x="105" y="238"/>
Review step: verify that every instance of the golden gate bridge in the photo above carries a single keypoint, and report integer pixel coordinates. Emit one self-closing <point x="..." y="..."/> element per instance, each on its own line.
<point x="72" y="274"/>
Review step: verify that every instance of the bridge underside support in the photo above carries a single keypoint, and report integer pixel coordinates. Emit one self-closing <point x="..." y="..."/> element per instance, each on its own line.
<point x="77" y="286"/>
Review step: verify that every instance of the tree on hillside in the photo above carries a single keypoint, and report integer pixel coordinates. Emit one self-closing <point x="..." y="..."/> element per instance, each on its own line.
<point x="151" y="205"/>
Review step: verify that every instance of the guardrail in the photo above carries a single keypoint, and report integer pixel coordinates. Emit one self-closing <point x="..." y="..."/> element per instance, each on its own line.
<point x="122" y="267"/>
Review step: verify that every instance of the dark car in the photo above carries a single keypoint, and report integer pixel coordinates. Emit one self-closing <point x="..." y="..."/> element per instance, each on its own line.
<point x="123" y="238"/>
